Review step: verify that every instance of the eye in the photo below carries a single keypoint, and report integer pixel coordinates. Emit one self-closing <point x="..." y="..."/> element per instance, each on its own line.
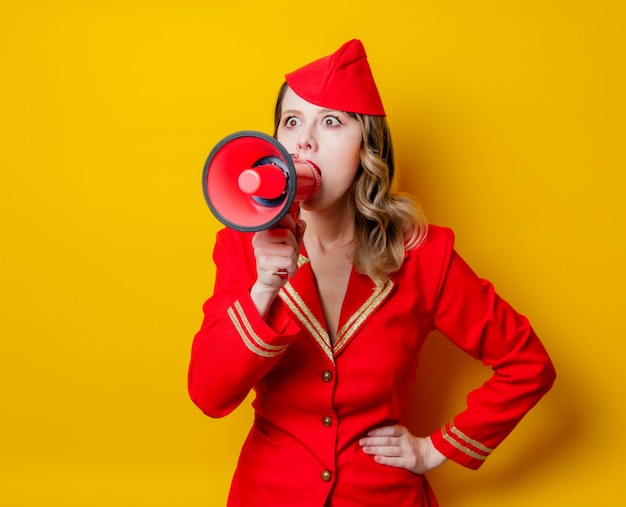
<point x="291" y="121"/>
<point x="331" y="121"/>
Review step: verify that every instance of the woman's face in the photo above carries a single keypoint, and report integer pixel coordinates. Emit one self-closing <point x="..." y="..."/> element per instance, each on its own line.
<point x="327" y="137"/>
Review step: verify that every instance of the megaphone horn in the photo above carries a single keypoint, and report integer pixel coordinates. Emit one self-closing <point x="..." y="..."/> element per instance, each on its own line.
<point x="250" y="181"/>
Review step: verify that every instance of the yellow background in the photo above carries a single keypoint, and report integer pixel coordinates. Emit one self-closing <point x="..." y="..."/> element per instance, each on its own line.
<point x="508" y="121"/>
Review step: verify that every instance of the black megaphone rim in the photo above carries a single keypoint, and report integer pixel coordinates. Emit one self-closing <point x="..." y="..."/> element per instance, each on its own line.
<point x="291" y="179"/>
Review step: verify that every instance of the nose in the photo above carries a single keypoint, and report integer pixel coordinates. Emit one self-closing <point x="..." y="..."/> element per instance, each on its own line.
<point x="306" y="141"/>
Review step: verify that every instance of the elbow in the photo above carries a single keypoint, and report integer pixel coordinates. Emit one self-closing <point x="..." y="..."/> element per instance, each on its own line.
<point x="545" y="375"/>
<point x="540" y="368"/>
<point x="549" y="375"/>
<point x="215" y="399"/>
<point x="207" y="392"/>
<point x="209" y="405"/>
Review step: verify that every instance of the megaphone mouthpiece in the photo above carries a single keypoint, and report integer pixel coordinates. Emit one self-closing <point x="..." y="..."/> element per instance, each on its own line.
<point x="267" y="181"/>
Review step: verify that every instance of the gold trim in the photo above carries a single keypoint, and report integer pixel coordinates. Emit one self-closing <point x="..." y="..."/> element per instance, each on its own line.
<point x="293" y="300"/>
<point x="460" y="447"/>
<point x="471" y="441"/>
<point x="354" y="322"/>
<point x="302" y="260"/>
<point x="297" y="305"/>
<point x="243" y="327"/>
<point x="244" y="319"/>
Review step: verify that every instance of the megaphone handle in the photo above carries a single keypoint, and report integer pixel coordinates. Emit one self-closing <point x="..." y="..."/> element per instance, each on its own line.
<point x="293" y="213"/>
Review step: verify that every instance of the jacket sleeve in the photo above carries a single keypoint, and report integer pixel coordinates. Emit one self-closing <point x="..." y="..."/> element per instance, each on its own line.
<point x="234" y="347"/>
<point x="471" y="314"/>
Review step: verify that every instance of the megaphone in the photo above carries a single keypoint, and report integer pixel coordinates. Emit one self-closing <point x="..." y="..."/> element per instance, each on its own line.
<point x="250" y="181"/>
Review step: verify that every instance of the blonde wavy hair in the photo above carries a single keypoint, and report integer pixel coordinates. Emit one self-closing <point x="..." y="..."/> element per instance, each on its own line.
<point x="387" y="224"/>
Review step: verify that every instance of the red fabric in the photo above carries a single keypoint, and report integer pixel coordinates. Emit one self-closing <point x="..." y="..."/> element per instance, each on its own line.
<point x="341" y="81"/>
<point x="360" y="382"/>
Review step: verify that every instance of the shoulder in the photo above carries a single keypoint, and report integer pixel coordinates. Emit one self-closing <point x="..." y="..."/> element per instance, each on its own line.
<point x="429" y="260"/>
<point x="228" y="236"/>
<point x="423" y="272"/>
<point x="233" y="253"/>
<point x="438" y="241"/>
<point x="233" y="246"/>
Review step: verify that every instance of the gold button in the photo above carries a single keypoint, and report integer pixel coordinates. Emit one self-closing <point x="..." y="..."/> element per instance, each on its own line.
<point x="327" y="420"/>
<point x="327" y="375"/>
<point x="326" y="475"/>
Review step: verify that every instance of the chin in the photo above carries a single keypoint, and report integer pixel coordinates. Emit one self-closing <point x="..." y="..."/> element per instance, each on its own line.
<point x="308" y="205"/>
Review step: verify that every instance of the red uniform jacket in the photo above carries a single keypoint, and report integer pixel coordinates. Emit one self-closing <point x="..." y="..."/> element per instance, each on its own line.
<point x="315" y="400"/>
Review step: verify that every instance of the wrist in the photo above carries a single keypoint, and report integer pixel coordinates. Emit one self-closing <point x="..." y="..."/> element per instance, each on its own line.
<point x="434" y="456"/>
<point x="262" y="297"/>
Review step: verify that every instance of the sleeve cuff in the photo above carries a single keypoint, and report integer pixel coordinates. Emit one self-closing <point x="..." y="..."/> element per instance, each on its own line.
<point x="254" y="332"/>
<point x="457" y="446"/>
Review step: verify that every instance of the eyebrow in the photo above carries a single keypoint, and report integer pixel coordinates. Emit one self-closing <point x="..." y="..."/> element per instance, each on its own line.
<point x="320" y="112"/>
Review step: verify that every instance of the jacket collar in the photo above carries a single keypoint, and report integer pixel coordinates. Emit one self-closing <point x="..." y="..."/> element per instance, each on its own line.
<point x="363" y="297"/>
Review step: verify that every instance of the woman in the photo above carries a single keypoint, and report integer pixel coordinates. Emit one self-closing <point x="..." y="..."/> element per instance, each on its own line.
<point x="332" y="350"/>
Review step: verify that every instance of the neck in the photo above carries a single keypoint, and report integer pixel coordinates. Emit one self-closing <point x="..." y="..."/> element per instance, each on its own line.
<point x="328" y="229"/>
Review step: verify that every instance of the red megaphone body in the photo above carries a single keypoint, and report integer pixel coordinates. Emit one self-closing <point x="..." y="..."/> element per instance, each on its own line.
<point x="250" y="181"/>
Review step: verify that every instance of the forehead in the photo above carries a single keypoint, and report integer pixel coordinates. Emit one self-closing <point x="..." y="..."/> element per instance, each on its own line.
<point x="292" y="101"/>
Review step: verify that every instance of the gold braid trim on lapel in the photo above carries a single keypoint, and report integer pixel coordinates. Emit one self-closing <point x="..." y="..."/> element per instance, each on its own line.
<point x="295" y="303"/>
<point x="353" y="324"/>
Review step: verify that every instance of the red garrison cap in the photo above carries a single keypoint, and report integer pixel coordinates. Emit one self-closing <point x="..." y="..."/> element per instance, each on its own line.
<point x="341" y="81"/>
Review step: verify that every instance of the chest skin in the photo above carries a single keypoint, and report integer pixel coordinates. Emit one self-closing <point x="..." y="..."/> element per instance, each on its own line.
<point x="331" y="274"/>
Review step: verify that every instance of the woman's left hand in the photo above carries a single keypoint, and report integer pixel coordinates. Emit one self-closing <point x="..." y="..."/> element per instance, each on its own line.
<point x="395" y="446"/>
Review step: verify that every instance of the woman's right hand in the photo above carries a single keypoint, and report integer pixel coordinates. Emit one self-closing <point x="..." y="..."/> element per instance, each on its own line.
<point x="276" y="250"/>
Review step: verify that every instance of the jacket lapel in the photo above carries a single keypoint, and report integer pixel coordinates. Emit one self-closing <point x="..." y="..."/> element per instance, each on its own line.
<point x="300" y="296"/>
<point x="363" y="297"/>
